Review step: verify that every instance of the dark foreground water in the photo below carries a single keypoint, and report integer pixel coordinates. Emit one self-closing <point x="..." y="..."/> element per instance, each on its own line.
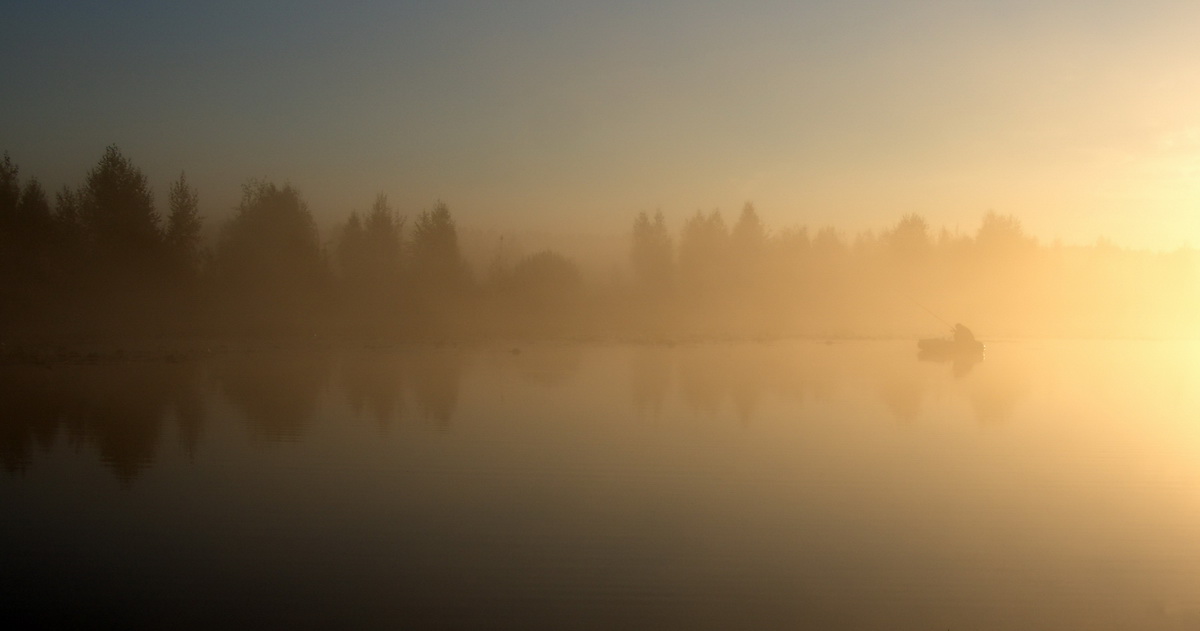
<point x="1055" y="485"/>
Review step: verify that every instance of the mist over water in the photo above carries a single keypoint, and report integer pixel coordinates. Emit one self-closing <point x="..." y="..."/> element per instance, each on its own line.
<point x="102" y="265"/>
<point x="592" y="315"/>
<point x="837" y="485"/>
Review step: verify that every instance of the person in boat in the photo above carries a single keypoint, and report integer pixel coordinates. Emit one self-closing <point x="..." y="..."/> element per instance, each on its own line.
<point x="963" y="335"/>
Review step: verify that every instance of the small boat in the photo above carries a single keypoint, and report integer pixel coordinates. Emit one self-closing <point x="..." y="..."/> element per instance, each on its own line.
<point x="962" y="344"/>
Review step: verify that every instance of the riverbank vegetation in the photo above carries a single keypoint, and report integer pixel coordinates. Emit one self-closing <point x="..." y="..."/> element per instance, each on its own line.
<point x="102" y="261"/>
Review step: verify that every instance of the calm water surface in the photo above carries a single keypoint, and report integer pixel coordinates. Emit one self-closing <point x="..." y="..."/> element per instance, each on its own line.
<point x="1054" y="485"/>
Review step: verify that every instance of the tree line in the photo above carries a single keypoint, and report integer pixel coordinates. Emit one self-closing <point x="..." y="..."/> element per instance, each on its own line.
<point x="100" y="259"/>
<point x="745" y="280"/>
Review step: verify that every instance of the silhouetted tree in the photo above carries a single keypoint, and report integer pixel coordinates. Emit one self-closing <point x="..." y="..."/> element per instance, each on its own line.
<point x="38" y="229"/>
<point x="183" y="227"/>
<point x="70" y="252"/>
<point x="652" y="253"/>
<point x="10" y="219"/>
<point x="828" y="245"/>
<point x="503" y="259"/>
<point x="351" y="262"/>
<point x="752" y="285"/>
<point x="33" y="212"/>
<point x="383" y="233"/>
<point x="34" y="230"/>
<point x="908" y="242"/>
<point x="704" y="252"/>
<point x="548" y="287"/>
<point x="436" y="259"/>
<point x="749" y="241"/>
<point x="10" y="187"/>
<point x="27" y="239"/>
<point x="790" y="258"/>
<point x="370" y="245"/>
<point x="100" y="258"/>
<point x="438" y="272"/>
<point x="706" y="274"/>
<point x="268" y="258"/>
<point x="749" y="234"/>
<point x="10" y="198"/>
<point x="119" y="216"/>
<point x="1002" y="236"/>
<point x="792" y="246"/>
<point x="68" y="212"/>
<point x="369" y="264"/>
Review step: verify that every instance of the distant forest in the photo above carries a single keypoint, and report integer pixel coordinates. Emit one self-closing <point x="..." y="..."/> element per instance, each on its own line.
<point x="101" y="261"/>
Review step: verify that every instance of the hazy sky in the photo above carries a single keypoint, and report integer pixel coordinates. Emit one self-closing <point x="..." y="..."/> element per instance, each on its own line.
<point x="1081" y="117"/>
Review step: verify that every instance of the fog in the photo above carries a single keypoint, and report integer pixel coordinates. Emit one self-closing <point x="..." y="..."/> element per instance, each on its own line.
<point x="102" y="261"/>
<point x="398" y="421"/>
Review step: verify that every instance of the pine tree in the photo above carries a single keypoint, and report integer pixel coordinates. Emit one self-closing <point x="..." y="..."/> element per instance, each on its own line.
<point x="119" y="215"/>
<point x="436" y="258"/>
<point x="652" y="252"/>
<point x="183" y="226"/>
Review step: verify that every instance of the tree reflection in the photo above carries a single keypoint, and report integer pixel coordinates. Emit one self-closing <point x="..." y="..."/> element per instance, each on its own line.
<point x="650" y="379"/>
<point x="902" y="395"/>
<point x="712" y="378"/>
<point x="704" y="375"/>
<point x="276" y="391"/>
<point x="119" y="407"/>
<point x="548" y="365"/>
<point x="125" y="420"/>
<point x="740" y="374"/>
<point x="373" y="381"/>
<point x="436" y="373"/>
<point x="995" y="395"/>
<point x="189" y="412"/>
<point x="992" y="391"/>
<point x="33" y="403"/>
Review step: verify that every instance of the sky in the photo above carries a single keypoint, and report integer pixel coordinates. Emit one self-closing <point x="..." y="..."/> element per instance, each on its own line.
<point x="1080" y="118"/>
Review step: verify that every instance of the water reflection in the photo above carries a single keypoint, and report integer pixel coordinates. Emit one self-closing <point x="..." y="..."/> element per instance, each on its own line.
<point x="995" y="397"/>
<point x="650" y="379"/>
<point x="705" y="377"/>
<point x="373" y="382"/>
<point x="780" y="486"/>
<point x="960" y="363"/>
<point x="711" y="376"/>
<point x="435" y="380"/>
<point x="547" y="365"/>
<point x="276" y="391"/>
<point x="119" y="408"/>
<point x="902" y="395"/>
<point x="34" y="405"/>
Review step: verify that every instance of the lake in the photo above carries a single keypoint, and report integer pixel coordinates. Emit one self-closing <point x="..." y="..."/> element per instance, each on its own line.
<point x="806" y="484"/>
